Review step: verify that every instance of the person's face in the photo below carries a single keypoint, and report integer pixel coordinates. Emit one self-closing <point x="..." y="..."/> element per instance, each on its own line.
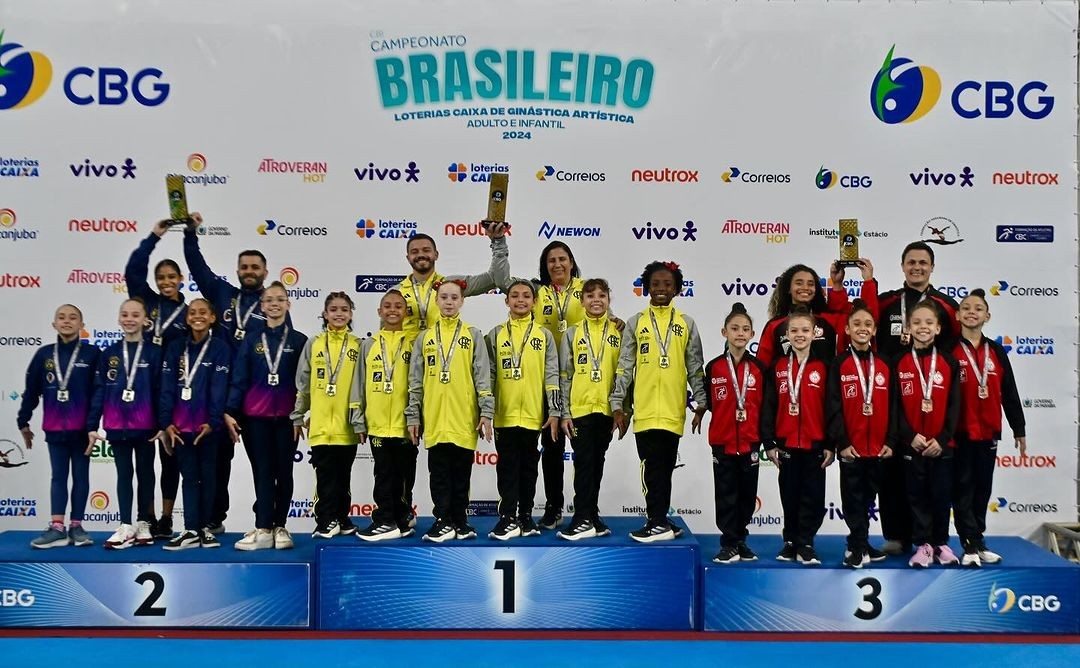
<point x="132" y="317"/>
<point x="662" y="287"/>
<point x="917" y="268"/>
<point x="861" y="328"/>
<point x="973" y="313"/>
<point x="520" y="300"/>
<point x="924" y="326"/>
<point x="392" y="309"/>
<point x="200" y="317"/>
<point x="800" y="332"/>
<point x="596" y="302"/>
<point x="337" y="314"/>
<point x="449" y="299"/>
<point x="67" y="322"/>
<point x="803" y="287"/>
<point x="274" y="303"/>
<point x="168" y="281"/>
<point x="421" y="255"/>
<point x="559" y="265"/>
<point x="738" y="332"/>
<point x="251" y="271"/>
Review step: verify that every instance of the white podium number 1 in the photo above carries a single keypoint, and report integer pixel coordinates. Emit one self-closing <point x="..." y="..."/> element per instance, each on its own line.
<point x="147" y="609"/>
<point x="873" y="598"/>
<point x="507" y="567"/>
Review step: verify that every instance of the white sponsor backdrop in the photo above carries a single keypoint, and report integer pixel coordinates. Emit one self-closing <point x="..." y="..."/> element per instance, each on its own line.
<point x="698" y="88"/>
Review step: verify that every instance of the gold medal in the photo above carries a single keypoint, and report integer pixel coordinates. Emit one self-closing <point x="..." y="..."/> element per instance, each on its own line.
<point x="562" y="325"/>
<point x="156" y="340"/>
<point x="740" y="415"/>
<point x="128" y="396"/>
<point x="444" y="377"/>
<point x="868" y="408"/>
<point x="272" y="379"/>
<point x="596" y="375"/>
<point x="905" y="338"/>
<point x="62" y="396"/>
<point x="388" y="387"/>
<point x="984" y="392"/>
<point x="515" y="374"/>
<point x="185" y="394"/>
<point x="793" y="409"/>
<point x="331" y="389"/>
<point x="238" y="335"/>
<point x="928" y="406"/>
<point x="665" y="361"/>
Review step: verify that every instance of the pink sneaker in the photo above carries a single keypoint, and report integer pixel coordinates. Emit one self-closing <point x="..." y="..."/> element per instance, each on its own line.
<point x="923" y="557"/>
<point x="945" y="555"/>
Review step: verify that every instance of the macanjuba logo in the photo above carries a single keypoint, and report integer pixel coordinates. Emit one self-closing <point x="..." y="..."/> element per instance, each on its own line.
<point x="24" y="76"/>
<point x="99" y="501"/>
<point x="903" y="92"/>
<point x="7" y="227"/>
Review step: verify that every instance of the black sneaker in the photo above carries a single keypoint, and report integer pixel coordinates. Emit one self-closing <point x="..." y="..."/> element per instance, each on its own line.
<point x="808" y="557"/>
<point x="601" y="528"/>
<point x="787" y="553"/>
<point x="328" y="530"/>
<point x="856" y="558"/>
<point x="506" y="529"/>
<point x="577" y="530"/>
<point x="347" y="528"/>
<point x="652" y="532"/>
<point x="675" y="530"/>
<point x="464" y="531"/>
<point x="375" y="532"/>
<point x="163" y="528"/>
<point x="875" y="554"/>
<point x="216" y="528"/>
<point x="183" y="541"/>
<point x="406" y="531"/>
<point x="528" y="526"/>
<point x="410" y="520"/>
<point x="440" y="532"/>
<point x="208" y="539"/>
<point x="745" y="553"/>
<point x="727" y="555"/>
<point x="551" y="519"/>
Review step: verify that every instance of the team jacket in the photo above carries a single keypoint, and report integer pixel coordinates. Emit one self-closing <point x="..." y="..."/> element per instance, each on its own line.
<point x="249" y="392"/>
<point x="583" y="396"/>
<point x="830" y="336"/>
<point x="546" y="311"/>
<point x="123" y="420"/>
<point x="497" y="274"/>
<point x="209" y="388"/>
<point x="521" y="403"/>
<point x="844" y="404"/>
<point x="450" y="411"/>
<point x="806" y="430"/>
<point x="135" y="276"/>
<point x="379" y="413"/>
<point x="725" y="432"/>
<point x="225" y="298"/>
<point x="331" y="417"/>
<point x="659" y="394"/>
<point x="890" y="327"/>
<point x="980" y="419"/>
<point x="42" y="383"/>
<point x="907" y="399"/>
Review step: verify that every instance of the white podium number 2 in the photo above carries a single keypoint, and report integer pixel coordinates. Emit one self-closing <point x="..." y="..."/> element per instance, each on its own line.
<point x="871" y="598"/>
<point x="507" y="567"/>
<point x="147" y="609"/>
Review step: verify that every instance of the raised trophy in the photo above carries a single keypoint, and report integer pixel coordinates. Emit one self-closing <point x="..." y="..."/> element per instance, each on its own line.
<point x="849" y="243"/>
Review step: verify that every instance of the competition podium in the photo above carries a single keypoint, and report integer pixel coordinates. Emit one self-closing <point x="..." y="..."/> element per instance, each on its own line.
<point x="1030" y="591"/>
<point x="537" y="582"/>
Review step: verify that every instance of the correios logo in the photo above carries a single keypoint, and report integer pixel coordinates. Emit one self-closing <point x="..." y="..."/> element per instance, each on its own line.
<point x="1003" y="599"/>
<point x="1002" y="504"/>
<point x="24" y="75"/>
<point x="550" y="173"/>
<point x="903" y="92"/>
<point x="273" y="228"/>
<point x="1005" y="288"/>
<point x="736" y="175"/>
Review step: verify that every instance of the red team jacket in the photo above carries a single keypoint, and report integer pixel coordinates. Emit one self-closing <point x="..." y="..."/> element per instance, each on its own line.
<point x="980" y="419"/>
<point x="806" y="430"/>
<point x="731" y="436"/>
<point x="844" y="404"/>
<point x="907" y="399"/>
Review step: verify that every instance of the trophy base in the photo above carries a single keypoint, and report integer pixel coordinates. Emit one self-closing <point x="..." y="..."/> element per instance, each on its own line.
<point x="847" y="263"/>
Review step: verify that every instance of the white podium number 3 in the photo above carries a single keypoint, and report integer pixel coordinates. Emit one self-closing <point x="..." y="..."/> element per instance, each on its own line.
<point x="871" y="599"/>
<point x="147" y="609"/>
<point x="507" y="567"/>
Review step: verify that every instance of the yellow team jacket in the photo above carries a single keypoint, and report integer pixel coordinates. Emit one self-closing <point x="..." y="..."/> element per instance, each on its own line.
<point x="330" y="416"/>
<point x="546" y="311"/>
<point x="583" y="395"/>
<point x="378" y="413"/>
<point x="521" y="402"/>
<point x="449" y="412"/>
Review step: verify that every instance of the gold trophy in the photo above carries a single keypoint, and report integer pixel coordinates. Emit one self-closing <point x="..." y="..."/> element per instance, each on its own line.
<point x="496" y="212"/>
<point x="849" y="243"/>
<point x="178" y="209"/>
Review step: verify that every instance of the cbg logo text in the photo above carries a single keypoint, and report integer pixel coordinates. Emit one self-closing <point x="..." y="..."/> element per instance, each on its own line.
<point x="903" y="92"/>
<point x="1003" y="600"/>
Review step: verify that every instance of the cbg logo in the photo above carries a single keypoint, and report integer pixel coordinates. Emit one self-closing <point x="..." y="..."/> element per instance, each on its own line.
<point x="903" y="92"/>
<point x="827" y="178"/>
<point x="24" y="77"/>
<point x="1003" y="599"/>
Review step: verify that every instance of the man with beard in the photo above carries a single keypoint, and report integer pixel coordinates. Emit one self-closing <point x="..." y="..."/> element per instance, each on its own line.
<point x="239" y="317"/>
<point x="417" y="287"/>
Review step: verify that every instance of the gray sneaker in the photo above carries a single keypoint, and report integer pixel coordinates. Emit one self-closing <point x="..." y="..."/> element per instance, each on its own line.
<point x="51" y="538"/>
<point x="79" y="537"/>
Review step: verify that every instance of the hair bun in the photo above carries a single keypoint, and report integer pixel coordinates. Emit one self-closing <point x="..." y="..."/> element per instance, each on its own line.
<point x="738" y="307"/>
<point x="858" y="304"/>
<point x="978" y="292"/>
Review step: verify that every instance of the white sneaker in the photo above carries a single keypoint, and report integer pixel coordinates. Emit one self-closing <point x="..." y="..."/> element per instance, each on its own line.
<point x="988" y="556"/>
<point x="282" y="539"/>
<point x="971" y="559"/>
<point x="142" y="533"/>
<point x="123" y="538"/>
<point x="258" y="539"/>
